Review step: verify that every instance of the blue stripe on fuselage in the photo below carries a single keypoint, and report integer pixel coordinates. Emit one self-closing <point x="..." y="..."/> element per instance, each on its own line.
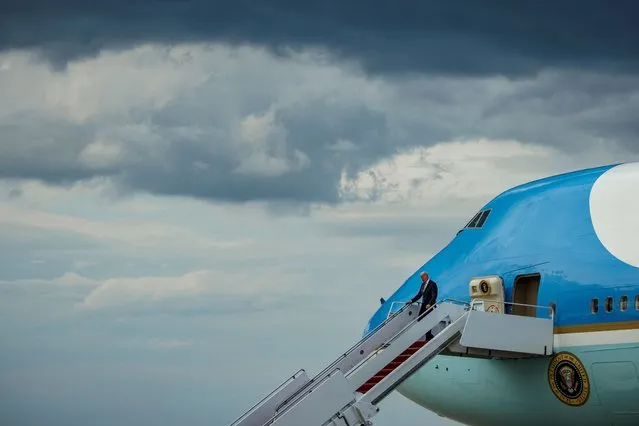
<point x="545" y="227"/>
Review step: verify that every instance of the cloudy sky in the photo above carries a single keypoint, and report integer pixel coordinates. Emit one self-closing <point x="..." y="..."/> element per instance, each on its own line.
<point x="197" y="198"/>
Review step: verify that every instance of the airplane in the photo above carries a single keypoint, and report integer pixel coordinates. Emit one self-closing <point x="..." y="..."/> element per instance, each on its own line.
<point x="569" y="242"/>
<point x="536" y="320"/>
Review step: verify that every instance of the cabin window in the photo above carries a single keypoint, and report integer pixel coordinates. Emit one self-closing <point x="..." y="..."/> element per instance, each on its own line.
<point x="637" y="302"/>
<point x="609" y="304"/>
<point x="623" y="303"/>
<point x="553" y="309"/>
<point x="594" y="305"/>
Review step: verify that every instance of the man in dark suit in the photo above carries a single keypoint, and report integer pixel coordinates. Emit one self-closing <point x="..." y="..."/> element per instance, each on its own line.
<point x="428" y="294"/>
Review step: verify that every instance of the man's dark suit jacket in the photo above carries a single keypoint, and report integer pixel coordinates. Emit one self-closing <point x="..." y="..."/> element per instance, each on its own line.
<point x="428" y="293"/>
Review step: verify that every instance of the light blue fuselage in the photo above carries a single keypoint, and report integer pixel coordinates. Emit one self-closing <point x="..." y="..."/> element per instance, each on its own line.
<point x="543" y="227"/>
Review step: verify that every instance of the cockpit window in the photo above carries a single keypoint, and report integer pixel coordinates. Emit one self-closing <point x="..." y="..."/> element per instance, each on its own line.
<point x="483" y="218"/>
<point x="479" y="219"/>
<point x="473" y="224"/>
<point x="473" y="221"/>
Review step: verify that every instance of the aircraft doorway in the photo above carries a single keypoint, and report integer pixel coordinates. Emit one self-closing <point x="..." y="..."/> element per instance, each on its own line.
<point x="525" y="292"/>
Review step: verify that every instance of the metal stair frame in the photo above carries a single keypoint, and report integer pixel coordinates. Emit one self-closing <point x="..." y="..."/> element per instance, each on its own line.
<point x="285" y="394"/>
<point x="402" y="341"/>
<point x="438" y="343"/>
<point x="336" y="391"/>
<point x="267" y="407"/>
<point x="364" y="408"/>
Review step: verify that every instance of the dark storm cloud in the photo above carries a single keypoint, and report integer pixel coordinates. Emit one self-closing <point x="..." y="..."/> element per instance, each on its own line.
<point x="191" y="145"/>
<point x="207" y="166"/>
<point x="207" y="161"/>
<point x="466" y="36"/>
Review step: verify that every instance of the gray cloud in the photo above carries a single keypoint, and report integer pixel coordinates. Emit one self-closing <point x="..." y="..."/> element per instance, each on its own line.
<point x="33" y="141"/>
<point x="259" y="147"/>
<point x="294" y="159"/>
<point x="467" y="37"/>
<point x="239" y="125"/>
<point x="217" y="143"/>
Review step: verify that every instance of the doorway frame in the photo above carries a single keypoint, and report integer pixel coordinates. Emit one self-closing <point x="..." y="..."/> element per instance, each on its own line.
<point x="519" y="282"/>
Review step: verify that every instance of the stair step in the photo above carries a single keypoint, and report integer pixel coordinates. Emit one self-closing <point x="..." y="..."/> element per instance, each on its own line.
<point x="391" y="366"/>
<point x="365" y="387"/>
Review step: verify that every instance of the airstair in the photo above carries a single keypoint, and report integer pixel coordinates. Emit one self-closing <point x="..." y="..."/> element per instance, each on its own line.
<point x="348" y="391"/>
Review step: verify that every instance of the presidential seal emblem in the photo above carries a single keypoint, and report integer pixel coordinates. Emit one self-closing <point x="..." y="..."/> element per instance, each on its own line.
<point x="568" y="379"/>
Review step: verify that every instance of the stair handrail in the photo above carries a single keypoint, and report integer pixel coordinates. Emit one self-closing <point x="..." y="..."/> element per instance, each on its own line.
<point x="445" y="300"/>
<point x="506" y="303"/>
<point x="400" y="302"/>
<point x="277" y="389"/>
<point x="426" y="312"/>
<point x="297" y="397"/>
<point x="439" y="302"/>
<point x="365" y="338"/>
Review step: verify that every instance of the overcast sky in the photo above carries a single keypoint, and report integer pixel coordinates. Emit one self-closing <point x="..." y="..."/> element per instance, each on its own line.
<point x="197" y="198"/>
